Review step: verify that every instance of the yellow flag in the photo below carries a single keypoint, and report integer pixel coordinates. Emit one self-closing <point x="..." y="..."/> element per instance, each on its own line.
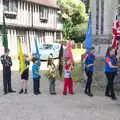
<point x="21" y="58"/>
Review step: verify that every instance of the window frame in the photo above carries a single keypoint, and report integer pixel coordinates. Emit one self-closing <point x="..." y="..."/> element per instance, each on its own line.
<point x="11" y="5"/>
<point x="43" y="14"/>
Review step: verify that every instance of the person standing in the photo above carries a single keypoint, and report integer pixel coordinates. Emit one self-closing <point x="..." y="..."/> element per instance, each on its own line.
<point x="52" y="74"/>
<point x="110" y="71"/>
<point x="7" y="63"/>
<point x="68" y="82"/>
<point x="25" y="76"/>
<point x="36" y="76"/>
<point x="89" y="69"/>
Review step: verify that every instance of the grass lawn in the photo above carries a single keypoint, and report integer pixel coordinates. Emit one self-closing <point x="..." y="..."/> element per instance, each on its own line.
<point x="77" y="73"/>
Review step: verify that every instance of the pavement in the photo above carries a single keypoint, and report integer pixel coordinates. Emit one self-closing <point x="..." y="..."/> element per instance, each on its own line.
<point x="46" y="107"/>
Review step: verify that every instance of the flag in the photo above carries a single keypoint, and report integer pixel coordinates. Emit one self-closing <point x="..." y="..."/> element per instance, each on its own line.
<point x="69" y="51"/>
<point x="88" y="40"/>
<point x="115" y="33"/>
<point x="21" y="57"/>
<point x="114" y="42"/>
<point x="4" y="34"/>
<point x="61" y="61"/>
<point x="37" y="54"/>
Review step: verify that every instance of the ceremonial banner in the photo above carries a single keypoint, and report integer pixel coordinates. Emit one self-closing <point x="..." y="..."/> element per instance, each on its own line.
<point x="21" y="57"/>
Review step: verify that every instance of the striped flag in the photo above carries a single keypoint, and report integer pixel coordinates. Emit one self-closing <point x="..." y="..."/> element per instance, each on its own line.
<point x="115" y="33"/>
<point x="114" y="42"/>
<point x="21" y="57"/>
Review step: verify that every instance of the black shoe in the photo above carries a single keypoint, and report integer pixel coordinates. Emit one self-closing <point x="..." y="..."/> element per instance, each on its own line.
<point x="25" y="91"/>
<point x="12" y="91"/>
<point x="5" y="93"/>
<point x="39" y="92"/>
<point x="21" y="91"/>
<point x="51" y="93"/>
<point x="36" y="93"/>
<point x="114" y="98"/>
<point x="90" y="94"/>
<point x="54" y="93"/>
<point x="86" y="92"/>
<point x="107" y="95"/>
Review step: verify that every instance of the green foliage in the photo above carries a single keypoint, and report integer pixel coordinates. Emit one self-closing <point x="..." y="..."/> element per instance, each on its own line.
<point x="77" y="73"/>
<point x="67" y="29"/>
<point x="73" y="16"/>
<point x="78" y="32"/>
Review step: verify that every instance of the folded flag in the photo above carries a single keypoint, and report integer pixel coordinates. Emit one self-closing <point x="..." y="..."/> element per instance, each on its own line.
<point x="21" y="57"/>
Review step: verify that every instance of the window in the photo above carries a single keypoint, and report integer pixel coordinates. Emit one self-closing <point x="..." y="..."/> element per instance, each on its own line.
<point x="10" y="5"/>
<point x="43" y="14"/>
<point x="58" y="36"/>
<point x="59" y="20"/>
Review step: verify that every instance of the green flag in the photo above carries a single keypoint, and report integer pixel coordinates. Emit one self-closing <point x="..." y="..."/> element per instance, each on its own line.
<point x="4" y="34"/>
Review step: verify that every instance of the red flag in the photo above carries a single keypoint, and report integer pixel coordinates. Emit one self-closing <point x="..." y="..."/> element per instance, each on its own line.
<point x="116" y="33"/>
<point x="114" y="42"/>
<point x="69" y="51"/>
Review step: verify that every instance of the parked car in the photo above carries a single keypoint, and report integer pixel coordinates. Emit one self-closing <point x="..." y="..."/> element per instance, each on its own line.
<point x="46" y="50"/>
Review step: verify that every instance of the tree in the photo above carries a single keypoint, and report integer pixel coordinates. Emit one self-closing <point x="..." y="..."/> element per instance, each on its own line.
<point x="73" y="16"/>
<point x="78" y="32"/>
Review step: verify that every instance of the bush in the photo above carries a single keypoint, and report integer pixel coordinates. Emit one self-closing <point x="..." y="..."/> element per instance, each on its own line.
<point x="78" y="33"/>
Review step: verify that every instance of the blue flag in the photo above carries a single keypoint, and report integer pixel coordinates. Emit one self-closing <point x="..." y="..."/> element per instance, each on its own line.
<point x="88" y="40"/>
<point x="37" y="54"/>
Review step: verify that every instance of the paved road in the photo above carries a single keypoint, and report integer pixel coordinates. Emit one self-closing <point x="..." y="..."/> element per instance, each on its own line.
<point x="59" y="107"/>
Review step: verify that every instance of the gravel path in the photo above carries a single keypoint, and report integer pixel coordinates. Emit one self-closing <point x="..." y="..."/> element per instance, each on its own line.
<point x="59" y="107"/>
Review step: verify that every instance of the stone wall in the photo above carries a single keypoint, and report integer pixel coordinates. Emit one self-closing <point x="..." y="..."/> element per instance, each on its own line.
<point x="101" y="44"/>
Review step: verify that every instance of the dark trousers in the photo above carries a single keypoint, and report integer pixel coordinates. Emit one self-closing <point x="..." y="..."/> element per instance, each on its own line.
<point x="52" y="84"/>
<point x="7" y="81"/>
<point x="110" y="85"/>
<point x="89" y="81"/>
<point x="36" y="85"/>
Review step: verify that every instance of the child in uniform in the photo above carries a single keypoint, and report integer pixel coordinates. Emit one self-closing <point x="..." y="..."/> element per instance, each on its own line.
<point x="36" y="76"/>
<point x="25" y="76"/>
<point x="89" y="69"/>
<point x="68" y="82"/>
<point x="52" y="74"/>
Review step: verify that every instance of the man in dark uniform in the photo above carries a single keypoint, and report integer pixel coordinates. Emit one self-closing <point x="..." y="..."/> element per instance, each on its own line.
<point x="7" y="63"/>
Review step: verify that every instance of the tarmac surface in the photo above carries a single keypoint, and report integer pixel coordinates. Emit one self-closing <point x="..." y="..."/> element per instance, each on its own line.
<point x="58" y="107"/>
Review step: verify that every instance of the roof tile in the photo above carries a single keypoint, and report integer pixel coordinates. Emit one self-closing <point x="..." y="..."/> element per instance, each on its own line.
<point x="49" y="3"/>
